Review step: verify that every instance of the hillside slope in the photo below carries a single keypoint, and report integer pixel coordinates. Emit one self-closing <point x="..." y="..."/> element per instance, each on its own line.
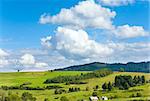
<point x="37" y="79"/>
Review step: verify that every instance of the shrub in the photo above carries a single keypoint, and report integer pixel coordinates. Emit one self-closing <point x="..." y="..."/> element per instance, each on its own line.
<point x="75" y="82"/>
<point x="87" y="89"/>
<point x="59" y="91"/>
<point x="27" y="96"/>
<point x="109" y="86"/>
<point x="46" y="99"/>
<point x="113" y="97"/>
<point x="105" y="86"/>
<point x="56" y="98"/>
<point x="97" y="87"/>
<point x="64" y="98"/>
<point x="94" y="94"/>
<point x="138" y="94"/>
<point x="74" y="89"/>
<point x="132" y="96"/>
<point x="53" y="87"/>
<point x="12" y="97"/>
<point x="27" y="83"/>
<point x="21" y="87"/>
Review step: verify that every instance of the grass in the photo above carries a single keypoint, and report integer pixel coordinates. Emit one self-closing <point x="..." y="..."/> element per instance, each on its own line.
<point x="37" y="79"/>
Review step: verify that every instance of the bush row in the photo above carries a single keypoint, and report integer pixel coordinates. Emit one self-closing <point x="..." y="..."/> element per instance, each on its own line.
<point x="29" y="88"/>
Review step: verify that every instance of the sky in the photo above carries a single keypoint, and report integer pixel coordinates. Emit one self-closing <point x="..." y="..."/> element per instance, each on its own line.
<point x="49" y="34"/>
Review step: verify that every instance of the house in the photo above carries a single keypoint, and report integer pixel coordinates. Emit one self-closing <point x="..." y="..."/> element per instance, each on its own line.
<point x="104" y="98"/>
<point x="93" y="98"/>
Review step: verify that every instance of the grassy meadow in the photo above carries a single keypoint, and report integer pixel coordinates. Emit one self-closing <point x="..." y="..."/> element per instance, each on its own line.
<point x="37" y="79"/>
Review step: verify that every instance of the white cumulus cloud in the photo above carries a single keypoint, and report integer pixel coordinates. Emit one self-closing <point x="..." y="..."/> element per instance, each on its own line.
<point x="125" y="52"/>
<point x="27" y="59"/>
<point x="127" y="31"/>
<point x="76" y="44"/>
<point x="115" y="2"/>
<point x="3" y="53"/>
<point x="45" y="41"/>
<point x="85" y="14"/>
<point x="3" y="60"/>
<point x="41" y="64"/>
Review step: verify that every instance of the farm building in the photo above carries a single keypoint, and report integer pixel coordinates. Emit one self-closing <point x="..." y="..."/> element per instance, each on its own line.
<point x="93" y="98"/>
<point x="104" y="98"/>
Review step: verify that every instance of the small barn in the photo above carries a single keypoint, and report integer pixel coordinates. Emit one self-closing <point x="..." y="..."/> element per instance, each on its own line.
<point x="104" y="98"/>
<point x="93" y="98"/>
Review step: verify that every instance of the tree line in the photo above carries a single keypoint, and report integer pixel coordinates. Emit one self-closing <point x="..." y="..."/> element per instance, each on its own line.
<point x="63" y="79"/>
<point x="72" y="89"/>
<point x="30" y="88"/>
<point x="124" y="82"/>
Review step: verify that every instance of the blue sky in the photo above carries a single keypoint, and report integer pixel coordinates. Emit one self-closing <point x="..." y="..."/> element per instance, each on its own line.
<point x="37" y="33"/>
<point x="19" y="19"/>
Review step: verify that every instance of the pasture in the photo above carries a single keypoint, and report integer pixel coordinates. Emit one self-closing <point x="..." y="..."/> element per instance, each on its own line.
<point x="37" y="78"/>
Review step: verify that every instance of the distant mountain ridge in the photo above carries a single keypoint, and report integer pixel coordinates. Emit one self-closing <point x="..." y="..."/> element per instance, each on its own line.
<point x="128" y="67"/>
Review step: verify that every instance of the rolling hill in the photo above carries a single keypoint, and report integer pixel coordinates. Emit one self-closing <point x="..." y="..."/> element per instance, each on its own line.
<point x="128" y="67"/>
<point x="36" y="79"/>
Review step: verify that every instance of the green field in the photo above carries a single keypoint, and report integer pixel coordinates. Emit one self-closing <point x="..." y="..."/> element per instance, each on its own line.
<point x="37" y="79"/>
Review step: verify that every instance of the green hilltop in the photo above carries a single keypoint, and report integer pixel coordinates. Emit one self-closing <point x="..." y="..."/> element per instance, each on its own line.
<point x="128" y="67"/>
